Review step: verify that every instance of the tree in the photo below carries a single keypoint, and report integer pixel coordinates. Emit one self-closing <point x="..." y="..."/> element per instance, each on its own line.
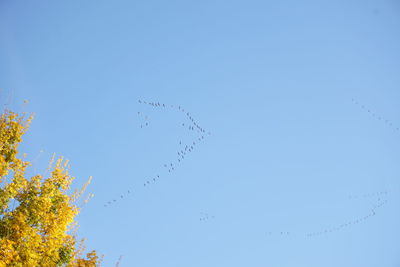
<point x="37" y="226"/>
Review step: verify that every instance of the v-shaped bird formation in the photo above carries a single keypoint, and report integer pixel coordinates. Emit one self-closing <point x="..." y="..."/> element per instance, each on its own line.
<point x="197" y="136"/>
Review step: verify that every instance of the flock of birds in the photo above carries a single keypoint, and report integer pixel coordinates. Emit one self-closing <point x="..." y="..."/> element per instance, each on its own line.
<point x="379" y="195"/>
<point x="347" y="224"/>
<point x="369" y="195"/>
<point x="185" y="148"/>
<point x="205" y="217"/>
<point x="375" y="115"/>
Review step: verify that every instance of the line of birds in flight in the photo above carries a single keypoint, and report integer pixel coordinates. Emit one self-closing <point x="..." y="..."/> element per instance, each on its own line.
<point x="375" y="115"/>
<point x="369" y="195"/>
<point x="349" y="223"/>
<point x="336" y="228"/>
<point x="183" y="151"/>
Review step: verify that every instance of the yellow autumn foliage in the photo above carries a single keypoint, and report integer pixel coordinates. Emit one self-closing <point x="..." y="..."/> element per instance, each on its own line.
<point x="37" y="214"/>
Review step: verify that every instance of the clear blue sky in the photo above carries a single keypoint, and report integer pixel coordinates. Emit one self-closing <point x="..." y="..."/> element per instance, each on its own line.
<point x="273" y="82"/>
